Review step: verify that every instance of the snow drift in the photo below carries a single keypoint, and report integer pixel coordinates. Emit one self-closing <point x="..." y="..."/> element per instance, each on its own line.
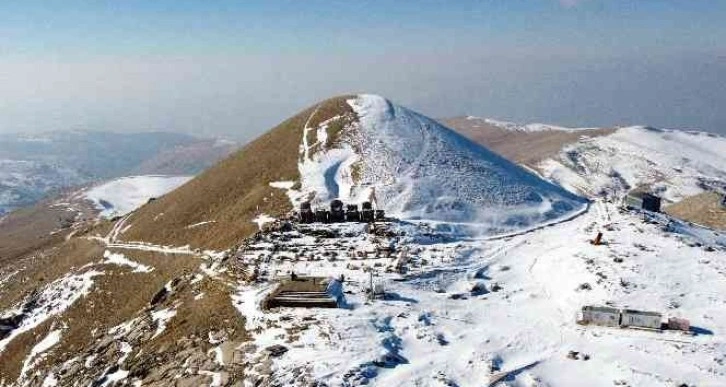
<point x="120" y="196"/>
<point x="416" y="169"/>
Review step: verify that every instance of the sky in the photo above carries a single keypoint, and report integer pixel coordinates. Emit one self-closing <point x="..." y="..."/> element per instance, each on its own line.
<point x="237" y="68"/>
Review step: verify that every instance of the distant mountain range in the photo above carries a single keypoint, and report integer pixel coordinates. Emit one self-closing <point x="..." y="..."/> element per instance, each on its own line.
<point x="31" y="166"/>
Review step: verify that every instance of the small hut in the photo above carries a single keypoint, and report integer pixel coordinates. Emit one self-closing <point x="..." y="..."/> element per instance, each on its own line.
<point x="679" y="324"/>
<point x="643" y="200"/>
<point x="641" y="319"/>
<point x="601" y="315"/>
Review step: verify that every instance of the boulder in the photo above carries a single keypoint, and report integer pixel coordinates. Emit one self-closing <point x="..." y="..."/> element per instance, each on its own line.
<point x="276" y="350"/>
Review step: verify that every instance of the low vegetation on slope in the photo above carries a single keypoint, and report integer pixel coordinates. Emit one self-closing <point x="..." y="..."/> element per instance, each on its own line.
<point x="216" y="209"/>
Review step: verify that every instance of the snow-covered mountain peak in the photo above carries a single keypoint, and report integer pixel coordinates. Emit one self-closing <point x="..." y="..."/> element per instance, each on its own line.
<point x="417" y="169"/>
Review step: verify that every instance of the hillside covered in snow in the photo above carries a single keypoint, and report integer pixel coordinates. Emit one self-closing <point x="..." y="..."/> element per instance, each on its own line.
<point x="609" y="162"/>
<point x="417" y="169"/>
<point x="674" y="164"/>
<point x="476" y="276"/>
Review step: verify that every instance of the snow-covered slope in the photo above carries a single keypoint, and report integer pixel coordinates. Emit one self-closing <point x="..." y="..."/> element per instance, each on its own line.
<point x="676" y="164"/>
<point x="121" y="196"/>
<point x="534" y="127"/>
<point x="417" y="169"/>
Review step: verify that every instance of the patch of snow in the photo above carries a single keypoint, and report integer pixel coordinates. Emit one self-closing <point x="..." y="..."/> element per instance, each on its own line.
<point x="123" y="329"/>
<point x="161" y="317"/>
<point x="534" y="127"/>
<point x="54" y="299"/>
<point x="420" y="170"/>
<point x="197" y="277"/>
<point x="262" y="220"/>
<point x="145" y="246"/>
<point x="120" y="196"/>
<point x="89" y="360"/>
<point x="37" y="352"/>
<point x="212" y="269"/>
<point x="216" y="378"/>
<point x="126" y="350"/>
<point x="121" y="260"/>
<point x="50" y="380"/>
<point x="282" y="184"/>
<point x="195" y="225"/>
<point x="218" y="355"/>
<point x="221" y="142"/>
<point x="7" y="277"/>
<point x="114" y="378"/>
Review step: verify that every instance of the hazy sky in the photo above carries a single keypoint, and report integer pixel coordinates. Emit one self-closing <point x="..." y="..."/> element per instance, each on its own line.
<point x="236" y="68"/>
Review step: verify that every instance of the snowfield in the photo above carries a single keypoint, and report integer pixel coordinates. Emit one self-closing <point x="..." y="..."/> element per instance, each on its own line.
<point x="416" y="169"/>
<point x="120" y="196"/>
<point x="470" y="311"/>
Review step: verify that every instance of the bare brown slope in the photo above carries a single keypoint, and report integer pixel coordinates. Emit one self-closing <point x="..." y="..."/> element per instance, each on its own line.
<point x="232" y="193"/>
<point x="28" y="230"/>
<point x="528" y="148"/>
<point x="704" y="209"/>
<point x="186" y="159"/>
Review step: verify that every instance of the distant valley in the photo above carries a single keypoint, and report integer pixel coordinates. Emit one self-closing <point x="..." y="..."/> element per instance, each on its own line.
<point x="34" y="166"/>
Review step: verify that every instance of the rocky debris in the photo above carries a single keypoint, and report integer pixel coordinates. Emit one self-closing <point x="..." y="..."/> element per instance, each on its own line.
<point x="131" y="353"/>
<point x="189" y="361"/>
<point x="164" y="292"/>
<point x="159" y="297"/>
<point x="584" y="286"/>
<point x="8" y="324"/>
<point x="478" y="289"/>
<point x="575" y="355"/>
<point x="276" y="350"/>
<point x="316" y="242"/>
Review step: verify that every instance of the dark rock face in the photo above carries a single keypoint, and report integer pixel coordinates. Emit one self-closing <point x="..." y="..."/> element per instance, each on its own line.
<point x="276" y="350"/>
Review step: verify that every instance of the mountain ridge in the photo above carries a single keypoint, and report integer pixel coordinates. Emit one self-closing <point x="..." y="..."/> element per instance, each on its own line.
<point x="329" y="151"/>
